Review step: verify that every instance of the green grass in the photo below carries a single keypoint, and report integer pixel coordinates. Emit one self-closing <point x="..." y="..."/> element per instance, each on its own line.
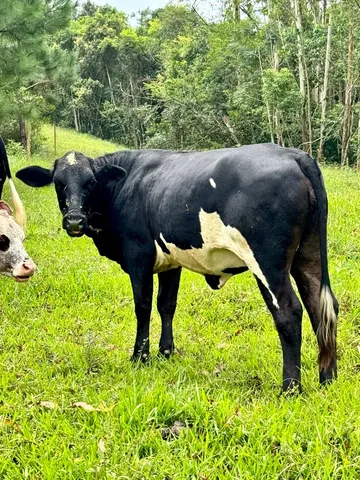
<point x="67" y="335"/>
<point x="67" y="140"/>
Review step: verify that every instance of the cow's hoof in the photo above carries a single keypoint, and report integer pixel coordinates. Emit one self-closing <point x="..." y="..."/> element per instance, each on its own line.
<point x="140" y="358"/>
<point x="165" y="353"/>
<point x="292" y="389"/>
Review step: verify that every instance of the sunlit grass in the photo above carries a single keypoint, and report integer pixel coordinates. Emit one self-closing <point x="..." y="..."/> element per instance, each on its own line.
<point x="67" y="140"/>
<point x="67" y="337"/>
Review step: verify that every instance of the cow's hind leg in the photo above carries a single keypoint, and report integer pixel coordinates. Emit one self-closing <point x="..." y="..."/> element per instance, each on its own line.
<point x="166" y="304"/>
<point x="306" y="270"/>
<point x="287" y="314"/>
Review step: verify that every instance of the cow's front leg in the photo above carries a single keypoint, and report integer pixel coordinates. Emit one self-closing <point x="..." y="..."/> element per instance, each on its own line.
<point x="166" y="304"/>
<point x="142" y="285"/>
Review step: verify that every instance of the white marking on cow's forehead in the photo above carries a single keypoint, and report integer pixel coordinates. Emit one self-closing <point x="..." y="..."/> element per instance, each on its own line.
<point x="223" y="247"/>
<point x="212" y="182"/>
<point x="71" y="159"/>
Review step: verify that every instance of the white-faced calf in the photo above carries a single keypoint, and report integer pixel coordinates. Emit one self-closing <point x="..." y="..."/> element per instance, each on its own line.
<point x="14" y="261"/>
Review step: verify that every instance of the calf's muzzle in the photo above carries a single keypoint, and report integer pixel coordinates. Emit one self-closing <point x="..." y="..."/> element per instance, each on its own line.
<point x="24" y="270"/>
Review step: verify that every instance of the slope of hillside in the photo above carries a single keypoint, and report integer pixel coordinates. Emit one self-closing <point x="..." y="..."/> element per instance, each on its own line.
<point x="67" y="139"/>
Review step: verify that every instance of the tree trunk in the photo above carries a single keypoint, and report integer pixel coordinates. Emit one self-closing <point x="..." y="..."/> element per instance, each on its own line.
<point x="231" y="130"/>
<point x="28" y="140"/>
<point x="308" y="112"/>
<point x="277" y="115"/>
<point x="348" y="100"/>
<point x="110" y="86"/>
<point x="266" y="103"/>
<point x="315" y="8"/>
<point x="22" y="132"/>
<point x="76" y="124"/>
<point x="324" y="93"/>
<point x="358" y="145"/>
<point x="324" y="9"/>
<point x="306" y="133"/>
<point x="236" y="7"/>
<point x="55" y="139"/>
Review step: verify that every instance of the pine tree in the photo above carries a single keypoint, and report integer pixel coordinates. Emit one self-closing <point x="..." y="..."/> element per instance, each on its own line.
<point x="29" y="63"/>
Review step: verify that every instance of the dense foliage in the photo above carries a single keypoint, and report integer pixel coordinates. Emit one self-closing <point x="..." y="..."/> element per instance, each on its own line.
<point x="283" y="71"/>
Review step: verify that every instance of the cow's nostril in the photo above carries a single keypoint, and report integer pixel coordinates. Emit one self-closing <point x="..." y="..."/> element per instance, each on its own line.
<point x="72" y="220"/>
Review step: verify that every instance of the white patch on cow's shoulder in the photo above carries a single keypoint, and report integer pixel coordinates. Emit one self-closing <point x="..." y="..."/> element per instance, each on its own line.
<point x="71" y="159"/>
<point x="223" y="247"/>
<point x="212" y="182"/>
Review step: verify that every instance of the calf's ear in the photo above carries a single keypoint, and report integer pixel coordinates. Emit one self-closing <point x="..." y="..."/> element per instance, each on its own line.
<point x="110" y="175"/>
<point x="35" y="176"/>
<point x="6" y="207"/>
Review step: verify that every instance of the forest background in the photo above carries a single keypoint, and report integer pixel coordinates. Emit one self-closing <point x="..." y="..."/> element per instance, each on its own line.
<point x="285" y="71"/>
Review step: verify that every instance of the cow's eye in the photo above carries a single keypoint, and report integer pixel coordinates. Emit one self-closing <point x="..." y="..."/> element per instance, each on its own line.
<point x="60" y="186"/>
<point x="89" y="183"/>
<point x="4" y="243"/>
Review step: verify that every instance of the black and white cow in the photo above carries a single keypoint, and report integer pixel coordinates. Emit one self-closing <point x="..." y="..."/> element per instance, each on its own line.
<point x="261" y="208"/>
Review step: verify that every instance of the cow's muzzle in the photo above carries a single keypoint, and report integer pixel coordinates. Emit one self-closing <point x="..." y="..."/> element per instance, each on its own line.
<point x="24" y="270"/>
<point x="74" y="224"/>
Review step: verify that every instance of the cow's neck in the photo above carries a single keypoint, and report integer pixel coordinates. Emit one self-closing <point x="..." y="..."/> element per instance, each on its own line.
<point x="122" y="159"/>
<point x="102" y="204"/>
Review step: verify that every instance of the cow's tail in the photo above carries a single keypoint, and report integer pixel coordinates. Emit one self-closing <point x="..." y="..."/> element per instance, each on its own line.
<point x="19" y="211"/>
<point x="326" y="333"/>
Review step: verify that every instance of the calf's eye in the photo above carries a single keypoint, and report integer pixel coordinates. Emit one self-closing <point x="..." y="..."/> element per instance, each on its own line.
<point x="4" y="243"/>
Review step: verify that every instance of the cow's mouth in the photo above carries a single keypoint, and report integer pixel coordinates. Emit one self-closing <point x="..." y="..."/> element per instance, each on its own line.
<point x="75" y="233"/>
<point x="22" y="278"/>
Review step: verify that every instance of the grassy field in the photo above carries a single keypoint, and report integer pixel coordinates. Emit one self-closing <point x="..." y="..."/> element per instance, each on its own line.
<point x="67" y="335"/>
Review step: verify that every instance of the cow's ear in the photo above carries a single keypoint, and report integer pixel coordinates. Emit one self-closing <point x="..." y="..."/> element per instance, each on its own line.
<point x="35" y="176"/>
<point x="110" y="175"/>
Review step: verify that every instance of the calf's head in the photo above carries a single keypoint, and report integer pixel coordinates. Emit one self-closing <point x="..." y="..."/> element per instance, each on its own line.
<point x="79" y="185"/>
<point x="14" y="261"/>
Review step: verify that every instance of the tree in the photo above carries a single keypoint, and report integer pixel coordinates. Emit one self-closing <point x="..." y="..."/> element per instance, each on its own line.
<point x="30" y="64"/>
<point x="306" y="127"/>
<point x="348" y="98"/>
<point x="324" y="92"/>
<point x="272" y="70"/>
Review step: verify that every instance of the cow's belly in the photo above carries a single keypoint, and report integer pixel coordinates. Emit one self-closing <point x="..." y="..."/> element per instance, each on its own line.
<point x="224" y="247"/>
<point x="209" y="259"/>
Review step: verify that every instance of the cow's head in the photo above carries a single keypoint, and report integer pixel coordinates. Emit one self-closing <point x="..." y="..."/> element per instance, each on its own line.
<point x="80" y="188"/>
<point x="14" y="261"/>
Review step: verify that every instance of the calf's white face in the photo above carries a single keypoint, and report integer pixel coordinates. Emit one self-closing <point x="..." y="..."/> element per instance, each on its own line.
<point x="14" y="261"/>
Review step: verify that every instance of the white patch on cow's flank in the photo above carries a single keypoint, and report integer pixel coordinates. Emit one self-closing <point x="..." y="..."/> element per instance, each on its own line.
<point x="212" y="182"/>
<point x="71" y="159"/>
<point x="223" y="247"/>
